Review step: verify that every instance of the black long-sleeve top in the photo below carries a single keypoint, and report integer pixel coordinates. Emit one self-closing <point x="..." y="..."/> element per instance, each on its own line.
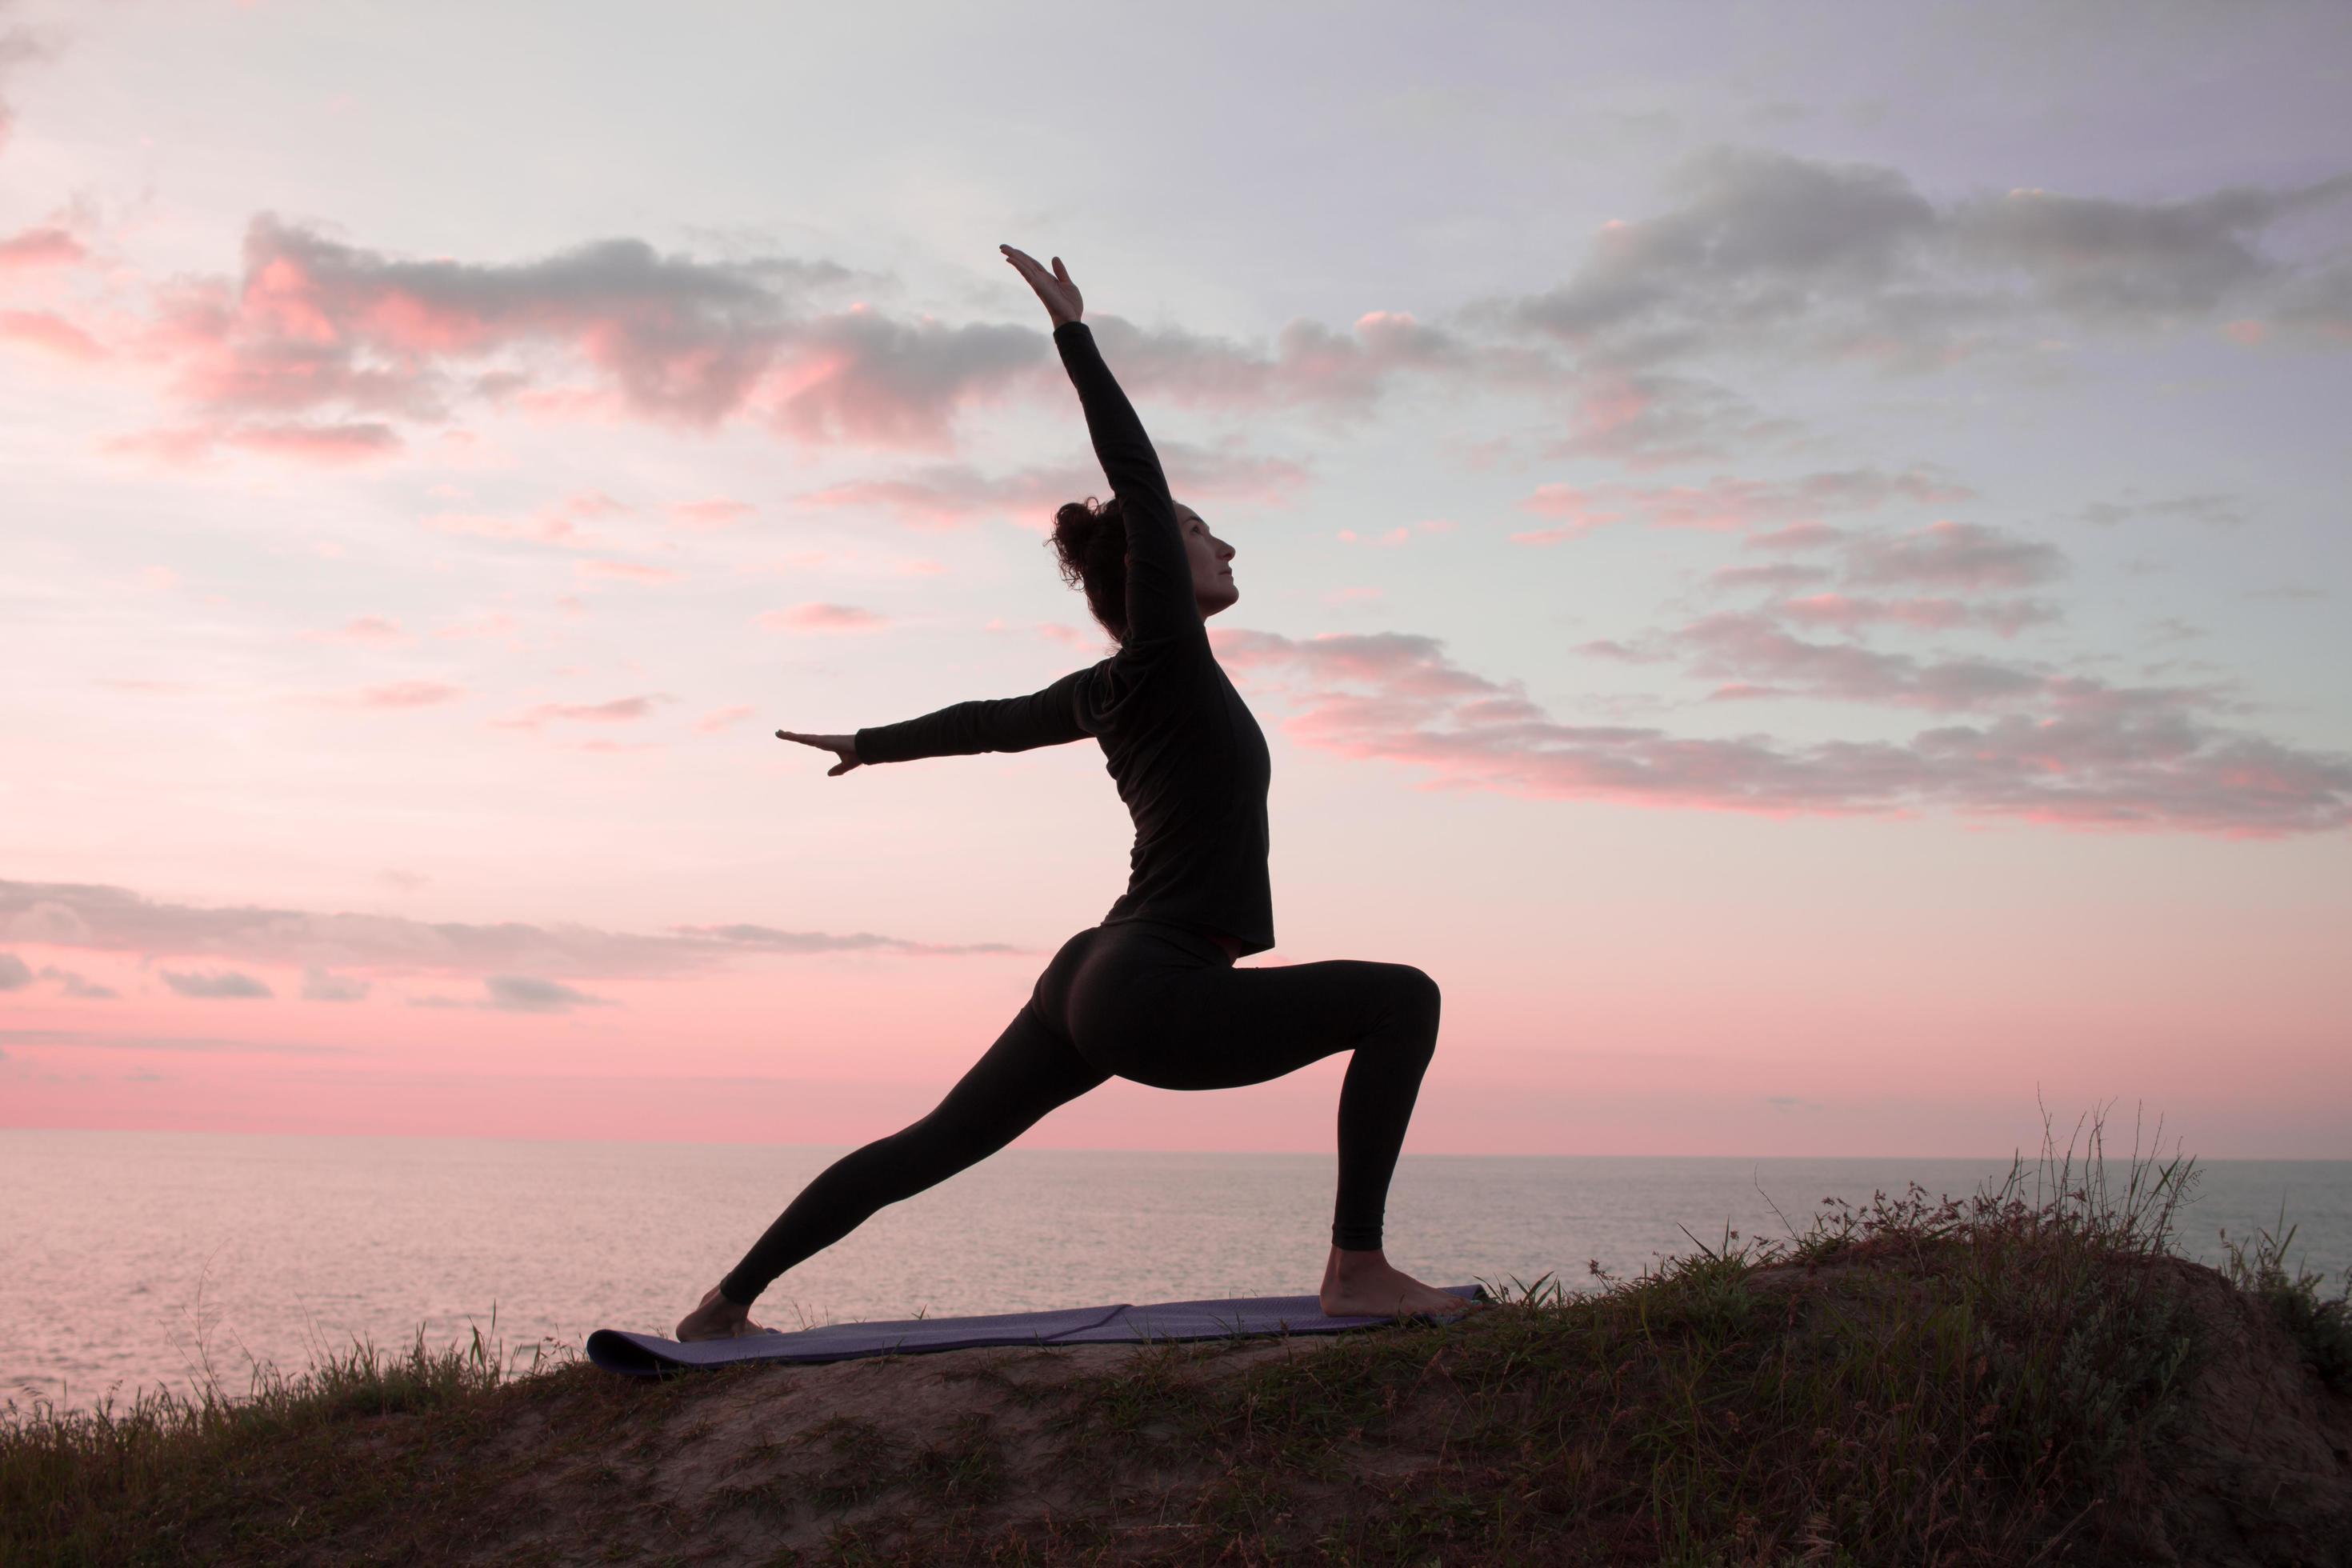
<point x="1189" y="758"/>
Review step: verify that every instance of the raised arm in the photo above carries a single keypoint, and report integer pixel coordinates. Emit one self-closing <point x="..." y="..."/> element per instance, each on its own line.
<point x="1160" y="602"/>
<point x="1048" y="718"/>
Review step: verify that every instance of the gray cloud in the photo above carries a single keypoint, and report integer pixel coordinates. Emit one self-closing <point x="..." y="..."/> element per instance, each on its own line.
<point x="1748" y="649"/>
<point x="105" y="919"/>
<point x="80" y="915"/>
<point x="75" y="985"/>
<point x="947" y="494"/>
<point x="767" y="938"/>
<point x="525" y="994"/>
<point x="217" y="984"/>
<point x="315" y="324"/>
<point x="2078" y="752"/>
<point x="2212" y="510"/>
<point x="319" y="985"/>
<point x="2006" y="618"/>
<point x="319" y="343"/>
<point x="2134" y="263"/>
<point x="1763" y="250"/>
<point x="520" y="994"/>
<point x="1788" y="508"/>
<point x="1796" y="536"/>
<point x="1649" y="419"/>
<point x="15" y="974"/>
<point x="318" y="327"/>
<point x="202" y="1044"/>
<point x="1311" y="365"/>
<point x="1778" y="574"/>
<point x="1955" y="556"/>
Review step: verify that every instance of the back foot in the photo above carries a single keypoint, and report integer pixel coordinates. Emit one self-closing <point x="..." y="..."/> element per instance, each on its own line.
<point x="719" y="1318"/>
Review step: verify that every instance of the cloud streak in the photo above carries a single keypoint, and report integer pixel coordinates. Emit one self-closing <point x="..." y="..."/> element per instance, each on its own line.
<point x="97" y="918"/>
<point x="219" y="984"/>
<point x="1763" y="251"/>
<point x="2079" y="754"/>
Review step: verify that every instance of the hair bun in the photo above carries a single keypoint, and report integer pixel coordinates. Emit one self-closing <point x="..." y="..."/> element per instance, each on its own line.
<point x="1091" y="538"/>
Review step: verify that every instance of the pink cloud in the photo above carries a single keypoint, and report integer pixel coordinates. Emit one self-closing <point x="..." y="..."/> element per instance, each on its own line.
<point x="721" y="718"/>
<point x="2084" y="755"/>
<point x="49" y="333"/>
<point x="916" y="504"/>
<point x="1727" y="503"/>
<point x="620" y="711"/>
<point x="1068" y="636"/>
<point x="46" y="246"/>
<point x="822" y="618"/>
<point x="313" y="323"/>
<point x="363" y="629"/>
<point x="1649" y="419"/>
<point x="328" y="445"/>
<point x="716" y="512"/>
<point x="410" y="694"/>
<point x="488" y="626"/>
<point x="1847" y="614"/>
<point x="556" y="523"/>
<point x="1578" y="509"/>
<point x="316" y="443"/>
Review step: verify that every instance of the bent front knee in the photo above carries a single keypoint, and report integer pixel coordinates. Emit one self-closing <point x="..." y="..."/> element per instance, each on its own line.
<point x="1418" y="997"/>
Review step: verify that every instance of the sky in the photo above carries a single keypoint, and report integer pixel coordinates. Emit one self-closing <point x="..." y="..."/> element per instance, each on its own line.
<point x="1792" y="557"/>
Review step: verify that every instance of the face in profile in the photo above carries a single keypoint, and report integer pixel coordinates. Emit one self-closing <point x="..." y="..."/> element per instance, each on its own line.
<point x="1212" y="558"/>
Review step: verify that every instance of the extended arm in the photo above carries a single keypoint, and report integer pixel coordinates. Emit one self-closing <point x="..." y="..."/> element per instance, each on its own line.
<point x="1048" y="718"/>
<point x="1159" y="601"/>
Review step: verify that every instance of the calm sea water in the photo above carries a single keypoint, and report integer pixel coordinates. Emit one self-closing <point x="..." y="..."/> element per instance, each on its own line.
<point x="131" y="1258"/>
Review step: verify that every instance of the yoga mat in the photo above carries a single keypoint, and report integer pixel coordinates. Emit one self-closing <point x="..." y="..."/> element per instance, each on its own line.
<point x="650" y="1355"/>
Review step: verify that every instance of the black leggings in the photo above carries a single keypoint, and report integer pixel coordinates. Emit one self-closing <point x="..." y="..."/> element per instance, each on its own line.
<point x="1157" y="1003"/>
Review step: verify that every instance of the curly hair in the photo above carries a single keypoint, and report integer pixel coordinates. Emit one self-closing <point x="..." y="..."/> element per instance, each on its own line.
<point x="1091" y="541"/>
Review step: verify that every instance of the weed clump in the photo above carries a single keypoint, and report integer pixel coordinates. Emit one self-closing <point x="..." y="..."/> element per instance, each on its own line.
<point x="2321" y="1326"/>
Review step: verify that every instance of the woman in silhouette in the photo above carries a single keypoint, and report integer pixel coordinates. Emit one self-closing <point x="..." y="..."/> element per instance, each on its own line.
<point x="1151" y="993"/>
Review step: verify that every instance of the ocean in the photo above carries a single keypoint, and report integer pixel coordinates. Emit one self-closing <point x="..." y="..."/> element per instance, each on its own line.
<point x="134" y="1260"/>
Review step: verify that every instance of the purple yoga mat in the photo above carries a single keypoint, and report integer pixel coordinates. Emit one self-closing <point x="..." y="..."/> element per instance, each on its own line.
<point x="650" y="1355"/>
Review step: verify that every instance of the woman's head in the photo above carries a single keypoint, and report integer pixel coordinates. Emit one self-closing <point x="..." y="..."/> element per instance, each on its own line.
<point x="1090" y="539"/>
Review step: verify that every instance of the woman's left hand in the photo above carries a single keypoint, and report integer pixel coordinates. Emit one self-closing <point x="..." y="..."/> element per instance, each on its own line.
<point x="1055" y="288"/>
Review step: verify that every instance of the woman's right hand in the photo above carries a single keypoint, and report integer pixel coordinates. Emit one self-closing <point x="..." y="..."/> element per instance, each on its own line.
<point x="1055" y="288"/>
<point x="845" y="744"/>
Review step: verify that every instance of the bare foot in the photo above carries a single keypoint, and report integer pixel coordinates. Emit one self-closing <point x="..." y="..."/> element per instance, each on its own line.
<point x="717" y="1318"/>
<point x="1368" y="1286"/>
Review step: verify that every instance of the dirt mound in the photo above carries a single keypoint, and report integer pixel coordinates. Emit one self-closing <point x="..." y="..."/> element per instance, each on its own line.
<point x="1880" y="1404"/>
<point x="2261" y="1467"/>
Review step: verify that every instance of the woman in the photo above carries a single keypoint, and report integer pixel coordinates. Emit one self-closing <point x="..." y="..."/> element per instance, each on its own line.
<point x="1150" y="994"/>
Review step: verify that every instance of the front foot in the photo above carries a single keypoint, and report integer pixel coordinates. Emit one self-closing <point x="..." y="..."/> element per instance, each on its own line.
<point x="1368" y="1286"/>
<point x="717" y="1318"/>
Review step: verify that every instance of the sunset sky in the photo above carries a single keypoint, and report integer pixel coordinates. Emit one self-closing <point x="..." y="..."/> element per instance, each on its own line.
<point x="1794" y="558"/>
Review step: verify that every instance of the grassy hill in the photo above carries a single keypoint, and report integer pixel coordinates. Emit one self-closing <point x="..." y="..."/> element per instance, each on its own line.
<point x="2031" y="1376"/>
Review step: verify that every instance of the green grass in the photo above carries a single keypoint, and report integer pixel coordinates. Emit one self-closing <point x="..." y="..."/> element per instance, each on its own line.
<point x="1996" y="1379"/>
<point x="2321" y="1327"/>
